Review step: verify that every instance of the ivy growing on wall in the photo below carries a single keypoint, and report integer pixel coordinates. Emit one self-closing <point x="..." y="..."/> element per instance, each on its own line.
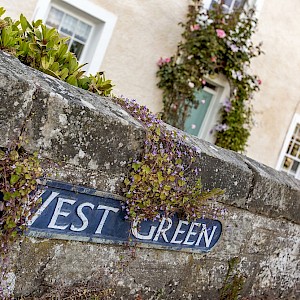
<point x="213" y="43"/>
<point x="19" y="172"/>
<point x="166" y="179"/>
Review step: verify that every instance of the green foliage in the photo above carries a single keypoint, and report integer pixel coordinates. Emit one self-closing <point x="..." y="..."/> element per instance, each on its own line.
<point x="233" y="283"/>
<point x="166" y="179"/>
<point x="42" y="48"/>
<point x="213" y="43"/>
<point x="18" y="186"/>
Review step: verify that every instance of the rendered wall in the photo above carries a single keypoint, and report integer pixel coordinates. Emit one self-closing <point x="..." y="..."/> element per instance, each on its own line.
<point x="278" y="100"/>
<point x="92" y="139"/>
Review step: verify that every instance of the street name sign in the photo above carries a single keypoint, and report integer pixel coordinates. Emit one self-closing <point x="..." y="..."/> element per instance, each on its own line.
<point x="83" y="214"/>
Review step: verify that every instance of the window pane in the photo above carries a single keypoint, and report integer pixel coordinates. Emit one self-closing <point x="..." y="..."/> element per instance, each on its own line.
<point x="287" y="163"/>
<point x="68" y="25"/>
<point x="229" y="5"/>
<point x="289" y="148"/>
<point x="213" y="2"/>
<point x="238" y="4"/>
<point x="54" y="18"/>
<point x="82" y="31"/>
<point x="295" y="150"/>
<point x="295" y="166"/>
<point x="76" y="48"/>
<point x="228" y="2"/>
<point x="197" y="115"/>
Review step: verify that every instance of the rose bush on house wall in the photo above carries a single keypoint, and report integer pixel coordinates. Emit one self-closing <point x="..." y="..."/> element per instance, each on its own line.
<point x="213" y="43"/>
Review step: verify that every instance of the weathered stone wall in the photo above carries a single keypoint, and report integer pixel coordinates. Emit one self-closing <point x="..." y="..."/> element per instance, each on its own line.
<point x="92" y="139"/>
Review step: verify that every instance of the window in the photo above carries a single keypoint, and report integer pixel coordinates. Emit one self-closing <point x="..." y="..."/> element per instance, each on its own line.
<point x="202" y="119"/>
<point x="67" y="25"/>
<point x="88" y="26"/>
<point x="289" y="159"/>
<point x="229" y="5"/>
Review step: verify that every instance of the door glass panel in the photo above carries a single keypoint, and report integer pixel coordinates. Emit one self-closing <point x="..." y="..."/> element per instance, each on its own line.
<point x="197" y="115"/>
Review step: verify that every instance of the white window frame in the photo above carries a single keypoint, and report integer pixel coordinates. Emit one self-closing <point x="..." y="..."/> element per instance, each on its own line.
<point x="288" y="137"/>
<point x="106" y="18"/>
<point x="212" y="115"/>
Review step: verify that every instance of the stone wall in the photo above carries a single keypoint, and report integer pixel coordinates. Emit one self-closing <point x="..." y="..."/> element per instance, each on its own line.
<point x="87" y="140"/>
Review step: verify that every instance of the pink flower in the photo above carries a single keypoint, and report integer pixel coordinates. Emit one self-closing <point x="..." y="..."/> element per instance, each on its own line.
<point x="220" y="33"/>
<point x="195" y="27"/>
<point x="203" y="82"/>
<point x="163" y="61"/>
<point x="259" y="81"/>
<point x="213" y="59"/>
<point x="160" y="62"/>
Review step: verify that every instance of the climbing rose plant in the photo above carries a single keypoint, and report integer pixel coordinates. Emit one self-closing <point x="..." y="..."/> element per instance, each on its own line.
<point x="213" y="43"/>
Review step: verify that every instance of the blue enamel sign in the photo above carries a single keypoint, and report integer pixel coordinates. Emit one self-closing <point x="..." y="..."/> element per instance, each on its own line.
<point x="82" y="214"/>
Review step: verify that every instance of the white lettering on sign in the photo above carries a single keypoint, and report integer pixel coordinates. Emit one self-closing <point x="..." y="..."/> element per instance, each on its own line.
<point x="162" y="231"/>
<point x="107" y="209"/>
<point x="206" y="238"/>
<point x="178" y="231"/>
<point x="58" y="212"/>
<point x="136" y="234"/>
<point x="82" y="217"/>
<point x="191" y="232"/>
<point x="43" y="207"/>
